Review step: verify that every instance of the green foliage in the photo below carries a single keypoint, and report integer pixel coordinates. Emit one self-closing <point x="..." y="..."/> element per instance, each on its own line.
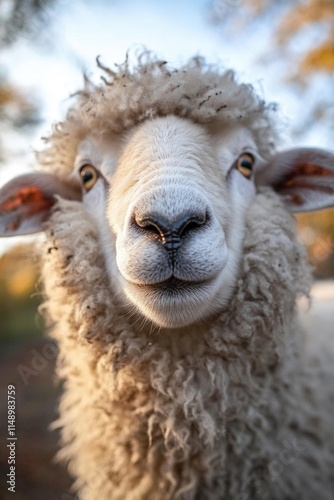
<point x="18" y="298"/>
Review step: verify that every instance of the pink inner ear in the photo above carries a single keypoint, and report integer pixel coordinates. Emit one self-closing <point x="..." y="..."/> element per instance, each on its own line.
<point x="302" y="174"/>
<point x="303" y="177"/>
<point x="310" y="169"/>
<point x="29" y="200"/>
<point x="29" y="197"/>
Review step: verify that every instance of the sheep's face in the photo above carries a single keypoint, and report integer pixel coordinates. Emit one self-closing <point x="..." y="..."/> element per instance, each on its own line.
<point x="169" y="200"/>
<point x="170" y="204"/>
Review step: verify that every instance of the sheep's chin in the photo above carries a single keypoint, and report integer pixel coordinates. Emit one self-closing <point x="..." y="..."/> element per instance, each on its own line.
<point x="178" y="306"/>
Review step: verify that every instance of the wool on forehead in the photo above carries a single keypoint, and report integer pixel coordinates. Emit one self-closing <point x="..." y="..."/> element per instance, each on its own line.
<point x="145" y="88"/>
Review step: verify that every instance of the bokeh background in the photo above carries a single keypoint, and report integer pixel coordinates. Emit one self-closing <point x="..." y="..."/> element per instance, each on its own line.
<point x="284" y="48"/>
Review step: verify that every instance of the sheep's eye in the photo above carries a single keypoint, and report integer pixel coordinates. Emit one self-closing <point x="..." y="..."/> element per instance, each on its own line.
<point x="245" y="164"/>
<point x="89" y="176"/>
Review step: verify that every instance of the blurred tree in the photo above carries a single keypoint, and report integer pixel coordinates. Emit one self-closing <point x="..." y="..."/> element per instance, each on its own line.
<point x="290" y="19"/>
<point x="310" y="14"/>
<point x="14" y="106"/>
<point x="303" y="35"/>
<point x="23" y="17"/>
<point x="17" y="110"/>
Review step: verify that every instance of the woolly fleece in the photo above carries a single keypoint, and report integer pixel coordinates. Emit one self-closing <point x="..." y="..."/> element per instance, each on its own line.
<point x="129" y="95"/>
<point x="234" y="410"/>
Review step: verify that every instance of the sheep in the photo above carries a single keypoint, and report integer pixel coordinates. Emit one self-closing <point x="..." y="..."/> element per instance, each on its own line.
<point x="171" y="270"/>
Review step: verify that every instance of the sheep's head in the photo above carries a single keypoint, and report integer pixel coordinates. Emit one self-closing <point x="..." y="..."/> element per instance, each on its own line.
<point x="169" y="197"/>
<point x="172" y="219"/>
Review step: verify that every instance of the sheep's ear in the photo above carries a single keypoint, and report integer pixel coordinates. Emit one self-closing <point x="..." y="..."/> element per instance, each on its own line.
<point x="26" y="202"/>
<point x="304" y="177"/>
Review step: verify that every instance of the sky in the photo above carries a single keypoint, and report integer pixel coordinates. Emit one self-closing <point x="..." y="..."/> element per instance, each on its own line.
<point x="51" y="68"/>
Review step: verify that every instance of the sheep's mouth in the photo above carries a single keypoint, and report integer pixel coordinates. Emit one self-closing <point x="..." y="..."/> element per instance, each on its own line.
<point x="174" y="302"/>
<point x="176" y="283"/>
<point x="173" y="286"/>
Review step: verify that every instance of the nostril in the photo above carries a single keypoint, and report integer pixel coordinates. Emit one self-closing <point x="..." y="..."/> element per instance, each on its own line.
<point x="190" y="222"/>
<point x="152" y="224"/>
<point x="170" y="233"/>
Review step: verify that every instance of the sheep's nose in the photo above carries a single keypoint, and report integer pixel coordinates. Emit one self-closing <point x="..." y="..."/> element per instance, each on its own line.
<point x="171" y="234"/>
